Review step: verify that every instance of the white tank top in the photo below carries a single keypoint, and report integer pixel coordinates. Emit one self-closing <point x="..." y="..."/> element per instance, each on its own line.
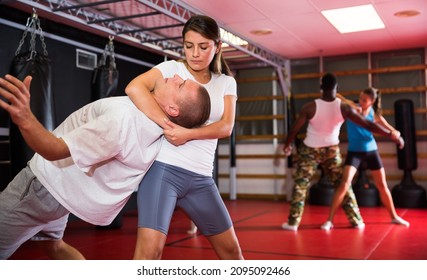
<point x="324" y="128"/>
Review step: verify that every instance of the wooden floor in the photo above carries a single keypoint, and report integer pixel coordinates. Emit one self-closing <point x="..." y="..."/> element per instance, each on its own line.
<point x="257" y="225"/>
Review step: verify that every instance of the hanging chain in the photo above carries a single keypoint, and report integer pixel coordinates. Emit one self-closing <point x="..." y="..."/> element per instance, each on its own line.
<point x="33" y="24"/>
<point x="109" y="52"/>
<point x="42" y="37"/>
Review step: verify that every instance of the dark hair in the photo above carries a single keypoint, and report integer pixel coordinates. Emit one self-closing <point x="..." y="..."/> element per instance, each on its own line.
<point x="375" y="96"/>
<point x="195" y="111"/>
<point x="208" y="28"/>
<point x="328" y="81"/>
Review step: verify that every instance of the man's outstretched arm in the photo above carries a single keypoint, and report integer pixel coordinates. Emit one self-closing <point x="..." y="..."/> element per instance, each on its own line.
<point x="37" y="137"/>
<point x="351" y="114"/>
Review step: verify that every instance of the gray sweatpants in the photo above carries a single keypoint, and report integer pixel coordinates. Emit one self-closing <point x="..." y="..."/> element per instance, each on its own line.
<point x="28" y="211"/>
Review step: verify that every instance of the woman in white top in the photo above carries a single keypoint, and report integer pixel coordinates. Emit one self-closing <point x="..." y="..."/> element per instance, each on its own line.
<point x="182" y="174"/>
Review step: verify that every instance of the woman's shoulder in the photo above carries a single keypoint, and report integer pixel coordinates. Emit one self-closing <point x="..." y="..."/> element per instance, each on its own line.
<point x="171" y="67"/>
<point x="224" y="78"/>
<point x="170" y="63"/>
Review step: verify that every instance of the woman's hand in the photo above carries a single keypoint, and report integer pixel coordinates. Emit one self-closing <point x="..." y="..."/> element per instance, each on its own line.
<point x="175" y="134"/>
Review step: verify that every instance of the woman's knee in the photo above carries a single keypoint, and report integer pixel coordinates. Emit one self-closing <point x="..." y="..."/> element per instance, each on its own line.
<point x="148" y="251"/>
<point x="149" y="245"/>
<point x="344" y="186"/>
<point x="230" y="252"/>
<point x="226" y="245"/>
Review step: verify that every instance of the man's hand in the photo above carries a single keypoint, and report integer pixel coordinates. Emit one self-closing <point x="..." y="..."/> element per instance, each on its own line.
<point x="276" y="160"/>
<point x="396" y="138"/>
<point x="18" y="95"/>
<point x="401" y="143"/>
<point x="287" y="150"/>
<point x="37" y="137"/>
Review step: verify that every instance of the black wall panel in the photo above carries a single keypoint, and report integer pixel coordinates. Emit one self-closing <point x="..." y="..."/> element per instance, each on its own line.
<point x="70" y="84"/>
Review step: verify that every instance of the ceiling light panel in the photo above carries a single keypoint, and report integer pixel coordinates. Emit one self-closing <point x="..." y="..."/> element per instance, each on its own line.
<point x="354" y="19"/>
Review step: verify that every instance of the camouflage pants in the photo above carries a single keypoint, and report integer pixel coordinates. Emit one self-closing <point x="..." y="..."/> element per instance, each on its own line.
<point x="307" y="162"/>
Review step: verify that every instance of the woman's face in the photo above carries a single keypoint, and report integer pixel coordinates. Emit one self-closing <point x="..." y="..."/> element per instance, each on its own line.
<point x="365" y="101"/>
<point x="198" y="50"/>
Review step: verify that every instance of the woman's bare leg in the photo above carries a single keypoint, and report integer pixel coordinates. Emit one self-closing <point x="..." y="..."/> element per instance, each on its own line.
<point x="226" y="245"/>
<point x="348" y="175"/>
<point x="149" y="244"/>
<point x="385" y="196"/>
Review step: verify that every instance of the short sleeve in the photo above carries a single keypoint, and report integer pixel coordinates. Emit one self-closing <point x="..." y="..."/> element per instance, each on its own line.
<point x="94" y="142"/>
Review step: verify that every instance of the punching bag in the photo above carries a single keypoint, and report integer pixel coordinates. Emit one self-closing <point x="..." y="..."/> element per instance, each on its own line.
<point x="366" y="193"/>
<point x="407" y="194"/>
<point x="105" y="76"/>
<point x="37" y="64"/>
<point x="322" y="192"/>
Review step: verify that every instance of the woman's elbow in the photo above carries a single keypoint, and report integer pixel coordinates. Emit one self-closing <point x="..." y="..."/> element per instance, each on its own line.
<point x="227" y="130"/>
<point x="129" y="90"/>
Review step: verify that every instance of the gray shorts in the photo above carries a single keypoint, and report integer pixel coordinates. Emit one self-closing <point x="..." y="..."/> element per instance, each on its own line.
<point x="28" y="211"/>
<point x="166" y="186"/>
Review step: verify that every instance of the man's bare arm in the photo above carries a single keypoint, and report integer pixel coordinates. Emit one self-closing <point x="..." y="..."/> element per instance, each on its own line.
<point x="351" y="114"/>
<point x="305" y="114"/>
<point x="37" y="137"/>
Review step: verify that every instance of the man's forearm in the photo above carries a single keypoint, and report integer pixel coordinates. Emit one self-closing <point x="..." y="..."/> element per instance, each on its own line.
<point x="378" y="129"/>
<point x="42" y="141"/>
<point x="395" y="137"/>
<point x="36" y="136"/>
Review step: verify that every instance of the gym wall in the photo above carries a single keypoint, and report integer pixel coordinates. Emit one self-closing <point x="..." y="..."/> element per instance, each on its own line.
<point x="71" y="85"/>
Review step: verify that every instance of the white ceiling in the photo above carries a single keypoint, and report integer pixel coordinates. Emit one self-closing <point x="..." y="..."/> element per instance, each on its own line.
<point x="299" y="29"/>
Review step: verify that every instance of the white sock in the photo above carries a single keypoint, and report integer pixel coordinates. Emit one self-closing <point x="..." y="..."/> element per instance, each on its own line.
<point x="399" y="221"/>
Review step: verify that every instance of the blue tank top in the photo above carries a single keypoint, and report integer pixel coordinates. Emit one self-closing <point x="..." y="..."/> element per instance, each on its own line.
<point x="359" y="138"/>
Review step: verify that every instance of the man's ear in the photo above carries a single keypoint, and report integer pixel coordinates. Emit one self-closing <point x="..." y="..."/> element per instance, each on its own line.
<point x="172" y="110"/>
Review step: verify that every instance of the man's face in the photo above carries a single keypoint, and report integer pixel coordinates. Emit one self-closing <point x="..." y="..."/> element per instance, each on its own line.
<point x="170" y="90"/>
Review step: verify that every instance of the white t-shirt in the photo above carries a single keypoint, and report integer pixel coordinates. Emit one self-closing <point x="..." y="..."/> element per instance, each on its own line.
<point x="197" y="155"/>
<point x="112" y="145"/>
<point x="323" y="129"/>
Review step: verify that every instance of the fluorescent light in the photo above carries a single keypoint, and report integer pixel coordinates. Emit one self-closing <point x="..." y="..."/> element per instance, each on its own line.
<point x="173" y="53"/>
<point x="354" y="19"/>
<point x="231" y="38"/>
<point x="153" y="46"/>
